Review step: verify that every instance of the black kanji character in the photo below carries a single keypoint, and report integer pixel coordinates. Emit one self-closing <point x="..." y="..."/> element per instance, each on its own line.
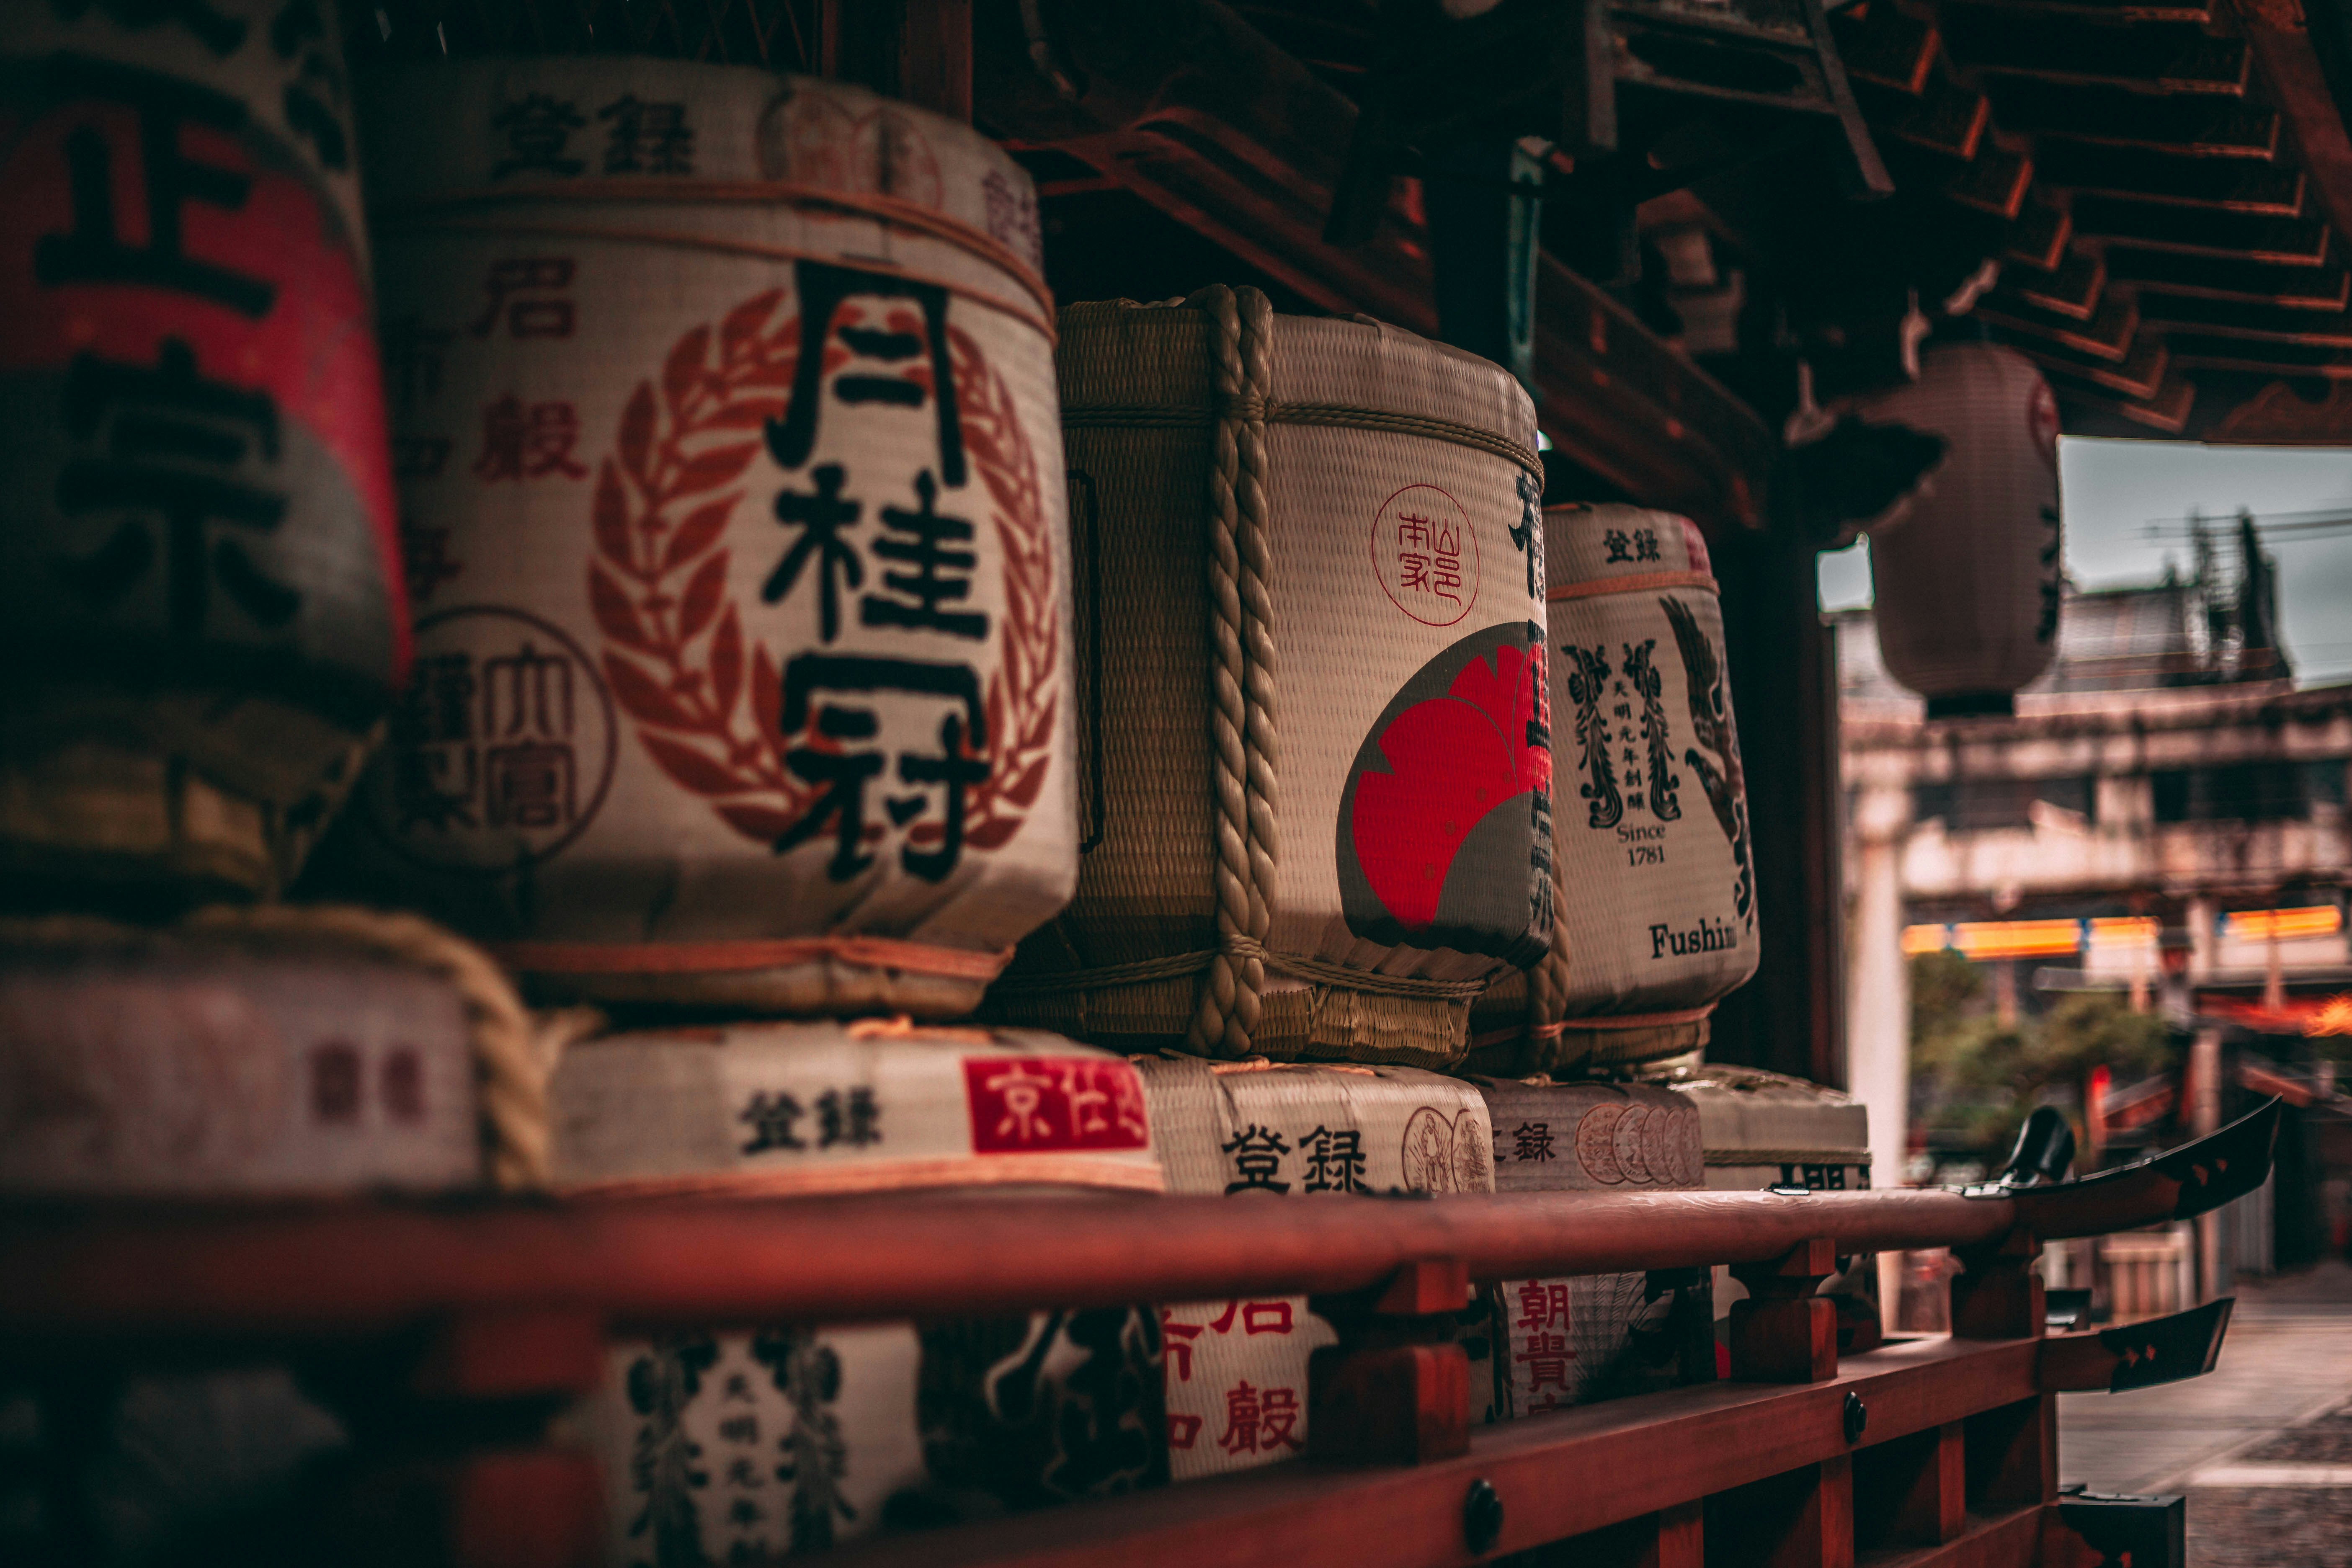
<point x="165" y="423"/>
<point x="771" y="1118"/>
<point x="940" y="575"/>
<point x="853" y="1118"/>
<point x="1646" y="545"/>
<point x="538" y="129"/>
<point x="957" y="773"/>
<point x="823" y="290"/>
<point x="94" y="250"/>
<point x="1620" y="546"/>
<point x="1335" y="1161"/>
<point x="843" y="776"/>
<point x="647" y="138"/>
<point x="1257" y="1155"/>
<point x="821" y="516"/>
<point x="1532" y="1142"/>
<point x="313" y="101"/>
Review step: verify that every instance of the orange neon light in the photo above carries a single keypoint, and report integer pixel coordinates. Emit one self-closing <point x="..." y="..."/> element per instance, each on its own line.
<point x="2284" y="925"/>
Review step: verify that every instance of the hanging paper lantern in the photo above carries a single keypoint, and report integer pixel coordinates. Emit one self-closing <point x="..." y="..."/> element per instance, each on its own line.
<point x="200" y="604"/>
<point x="733" y="498"/>
<point x="1313" y="644"/>
<point x="1967" y="578"/>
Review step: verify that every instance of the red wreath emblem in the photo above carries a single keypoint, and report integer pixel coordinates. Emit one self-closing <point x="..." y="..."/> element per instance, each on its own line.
<point x="706" y="711"/>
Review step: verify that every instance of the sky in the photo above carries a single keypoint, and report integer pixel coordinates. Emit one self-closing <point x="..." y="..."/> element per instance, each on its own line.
<point x="2110" y="491"/>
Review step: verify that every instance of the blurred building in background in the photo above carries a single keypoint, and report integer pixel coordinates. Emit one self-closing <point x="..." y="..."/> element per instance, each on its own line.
<point x="2163" y="823"/>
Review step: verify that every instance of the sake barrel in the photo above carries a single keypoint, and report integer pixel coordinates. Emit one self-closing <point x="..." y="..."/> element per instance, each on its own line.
<point x="731" y="1447"/>
<point x="725" y="415"/>
<point x="201" y="605"/>
<point x="249" y="1053"/>
<point x="1762" y="1129"/>
<point x="1237" y="1371"/>
<point x="1318" y="780"/>
<point x="1968" y="581"/>
<point x="1654" y="886"/>
<point x="1566" y="1342"/>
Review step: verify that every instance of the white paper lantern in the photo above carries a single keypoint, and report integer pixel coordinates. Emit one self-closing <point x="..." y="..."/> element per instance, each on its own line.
<point x="1966" y="579"/>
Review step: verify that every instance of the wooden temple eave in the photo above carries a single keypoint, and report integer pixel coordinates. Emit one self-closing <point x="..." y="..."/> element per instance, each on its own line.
<point x="1190" y="109"/>
<point x="2198" y="156"/>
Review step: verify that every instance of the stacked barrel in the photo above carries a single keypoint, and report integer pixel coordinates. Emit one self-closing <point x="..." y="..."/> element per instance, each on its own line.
<point x="899" y="735"/>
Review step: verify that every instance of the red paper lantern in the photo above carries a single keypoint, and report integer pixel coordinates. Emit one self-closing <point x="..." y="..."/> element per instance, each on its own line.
<point x="1967" y="577"/>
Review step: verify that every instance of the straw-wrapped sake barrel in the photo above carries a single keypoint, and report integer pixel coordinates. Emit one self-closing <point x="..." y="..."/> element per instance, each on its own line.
<point x="1237" y="1371"/>
<point x="1654" y="888"/>
<point x="1570" y="1341"/>
<point x="201" y="611"/>
<point x="731" y="1447"/>
<point x="268" y="1053"/>
<point x="1312" y="634"/>
<point x="724" y="407"/>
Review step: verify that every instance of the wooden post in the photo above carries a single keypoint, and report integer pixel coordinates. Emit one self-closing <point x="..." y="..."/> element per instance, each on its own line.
<point x="1783" y="1332"/>
<point x="1395" y="1390"/>
<point x="1791" y="1017"/>
<point x="2012" y="1454"/>
<point x="1928" y="1477"/>
<point x="1997" y="1295"/>
<point x="1803" y="1519"/>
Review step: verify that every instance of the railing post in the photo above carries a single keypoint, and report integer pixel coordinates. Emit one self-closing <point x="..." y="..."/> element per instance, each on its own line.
<point x="1997" y="1295"/>
<point x="1784" y="1332"/>
<point x="1395" y="1390"/>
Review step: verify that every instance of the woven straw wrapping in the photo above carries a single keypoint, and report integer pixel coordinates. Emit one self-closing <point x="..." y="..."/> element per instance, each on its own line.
<point x="1255" y="643"/>
<point x="1654" y="915"/>
<point x="733" y="476"/>
<point x="200" y="607"/>
<point x="867" y="1425"/>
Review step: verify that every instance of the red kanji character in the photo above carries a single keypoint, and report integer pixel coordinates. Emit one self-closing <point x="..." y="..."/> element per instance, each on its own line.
<point x="1023" y="1096"/>
<point x="1179" y="1338"/>
<point x="1183" y="1431"/>
<point x="1278" y="1414"/>
<point x="1240" y="1420"/>
<point x="1266" y="1318"/>
<point x="1542" y="1305"/>
<point x="1086" y="1100"/>
<point x="1223" y="1323"/>
<point x="1546" y="1358"/>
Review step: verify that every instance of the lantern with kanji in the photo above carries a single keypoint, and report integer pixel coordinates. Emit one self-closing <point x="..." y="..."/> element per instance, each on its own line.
<point x="734" y="516"/>
<point x="200" y="601"/>
<point x="1654" y="884"/>
<point x="1967" y="578"/>
<point x="1312" y="617"/>
<point x="750" y="1446"/>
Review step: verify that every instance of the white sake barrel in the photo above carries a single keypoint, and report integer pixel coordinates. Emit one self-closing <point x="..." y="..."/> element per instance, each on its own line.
<point x="1236" y="1370"/>
<point x="724" y="407"/>
<point x="201" y="609"/>
<point x="1654" y="883"/>
<point x="1312" y="624"/>
<point x="246" y="1057"/>
<point x="1967" y="580"/>
<point x="1565" y="1341"/>
<point x="1764" y="1128"/>
<point x="735" y="1446"/>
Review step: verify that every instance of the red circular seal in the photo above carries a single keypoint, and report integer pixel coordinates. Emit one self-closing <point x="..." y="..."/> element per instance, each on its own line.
<point x="1426" y="553"/>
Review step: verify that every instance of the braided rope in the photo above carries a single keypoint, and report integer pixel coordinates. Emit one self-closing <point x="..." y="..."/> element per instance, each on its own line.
<point x="1241" y="676"/>
<point x="514" y="1056"/>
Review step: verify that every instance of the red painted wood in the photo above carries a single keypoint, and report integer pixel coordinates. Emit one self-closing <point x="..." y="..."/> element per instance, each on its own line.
<point x="1399" y="1405"/>
<point x="1793" y="1341"/>
<point x="1558" y="1475"/>
<point x="511" y="1354"/>
<point x="355" y="1269"/>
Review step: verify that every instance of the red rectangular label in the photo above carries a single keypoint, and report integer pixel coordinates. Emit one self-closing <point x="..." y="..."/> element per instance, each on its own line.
<point x="1024" y="1105"/>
